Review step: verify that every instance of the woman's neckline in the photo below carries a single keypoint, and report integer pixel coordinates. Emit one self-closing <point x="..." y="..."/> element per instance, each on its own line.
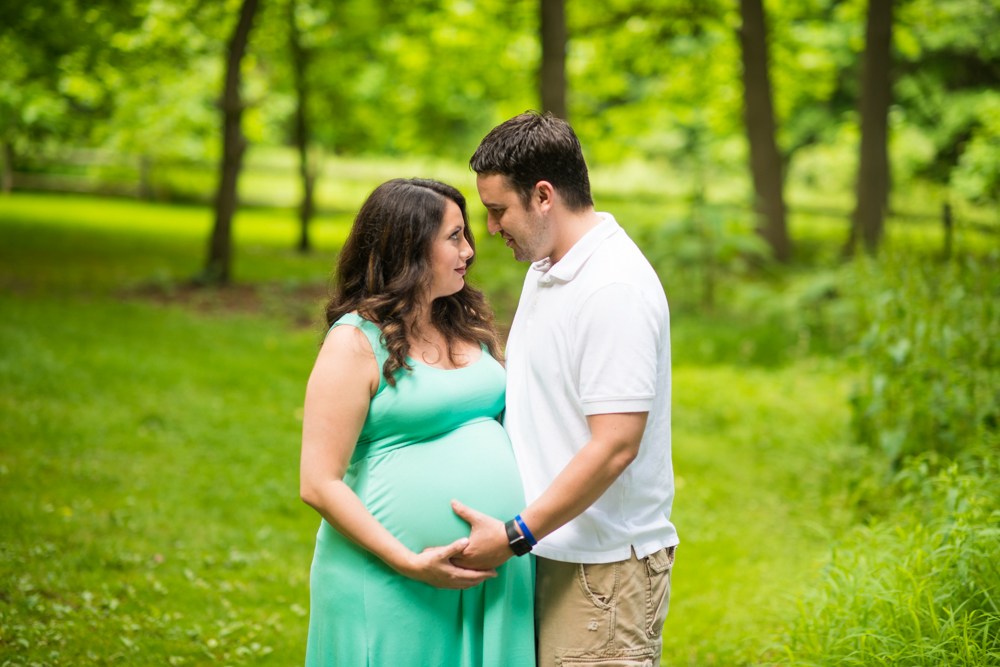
<point x="482" y="353"/>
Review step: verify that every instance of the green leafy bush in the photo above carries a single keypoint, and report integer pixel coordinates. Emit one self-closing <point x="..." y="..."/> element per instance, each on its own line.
<point x="930" y="350"/>
<point x="919" y="583"/>
<point x="702" y="254"/>
<point x="923" y="589"/>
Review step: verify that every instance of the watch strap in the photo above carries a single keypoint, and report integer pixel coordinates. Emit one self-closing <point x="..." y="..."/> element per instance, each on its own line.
<point x="524" y="531"/>
<point x="518" y="543"/>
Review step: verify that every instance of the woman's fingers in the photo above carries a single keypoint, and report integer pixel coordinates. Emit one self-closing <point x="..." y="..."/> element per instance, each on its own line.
<point x="468" y="578"/>
<point x="455" y="548"/>
<point x="442" y="573"/>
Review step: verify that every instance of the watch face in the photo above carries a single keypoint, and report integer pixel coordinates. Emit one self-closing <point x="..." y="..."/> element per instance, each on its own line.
<point x="520" y="546"/>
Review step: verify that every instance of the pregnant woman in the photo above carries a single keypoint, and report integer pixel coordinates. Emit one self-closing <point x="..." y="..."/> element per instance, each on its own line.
<point x="400" y="418"/>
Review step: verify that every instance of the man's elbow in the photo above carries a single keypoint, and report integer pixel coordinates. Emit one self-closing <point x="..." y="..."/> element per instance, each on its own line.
<point x="623" y="457"/>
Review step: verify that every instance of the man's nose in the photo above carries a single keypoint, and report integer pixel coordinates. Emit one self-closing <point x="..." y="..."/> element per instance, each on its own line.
<point x="492" y="226"/>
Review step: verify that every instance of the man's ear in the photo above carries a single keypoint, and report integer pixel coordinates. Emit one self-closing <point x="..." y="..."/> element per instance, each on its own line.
<point x="545" y="195"/>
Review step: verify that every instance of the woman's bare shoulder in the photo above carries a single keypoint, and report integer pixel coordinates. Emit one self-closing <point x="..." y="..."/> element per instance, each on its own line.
<point x="346" y="342"/>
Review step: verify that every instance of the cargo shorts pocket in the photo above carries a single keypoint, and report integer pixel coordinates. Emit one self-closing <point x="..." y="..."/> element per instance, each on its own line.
<point x="600" y="583"/>
<point x="658" y="568"/>
<point x="623" y="658"/>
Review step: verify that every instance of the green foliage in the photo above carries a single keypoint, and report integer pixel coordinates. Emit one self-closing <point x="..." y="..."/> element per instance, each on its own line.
<point x="949" y="57"/>
<point x="922" y="589"/>
<point x="704" y="249"/>
<point x="931" y="354"/>
<point x="54" y="55"/>
<point x="918" y="583"/>
<point x="647" y="80"/>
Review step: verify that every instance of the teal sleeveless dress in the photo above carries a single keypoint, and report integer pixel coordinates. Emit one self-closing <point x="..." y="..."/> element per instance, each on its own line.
<point x="431" y="438"/>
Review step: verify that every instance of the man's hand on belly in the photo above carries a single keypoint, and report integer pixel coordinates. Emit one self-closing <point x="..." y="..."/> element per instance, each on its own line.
<point x="488" y="547"/>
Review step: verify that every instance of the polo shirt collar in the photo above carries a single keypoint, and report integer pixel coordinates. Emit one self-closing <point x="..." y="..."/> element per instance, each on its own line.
<point x="566" y="268"/>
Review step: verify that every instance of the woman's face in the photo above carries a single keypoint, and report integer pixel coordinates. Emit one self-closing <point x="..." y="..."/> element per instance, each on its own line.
<point x="450" y="253"/>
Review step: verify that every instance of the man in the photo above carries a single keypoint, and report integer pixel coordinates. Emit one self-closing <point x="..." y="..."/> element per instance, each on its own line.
<point x="588" y="406"/>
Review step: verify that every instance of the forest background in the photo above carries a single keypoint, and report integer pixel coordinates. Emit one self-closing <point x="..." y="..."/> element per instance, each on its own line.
<point x="177" y="179"/>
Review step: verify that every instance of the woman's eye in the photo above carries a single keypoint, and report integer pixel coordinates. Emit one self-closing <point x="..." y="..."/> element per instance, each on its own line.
<point x="454" y="236"/>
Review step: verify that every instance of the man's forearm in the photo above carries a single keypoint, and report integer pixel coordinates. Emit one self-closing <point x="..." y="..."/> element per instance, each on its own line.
<point x="613" y="446"/>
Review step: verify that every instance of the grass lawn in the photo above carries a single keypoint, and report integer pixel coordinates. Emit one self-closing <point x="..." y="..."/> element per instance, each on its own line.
<point x="149" y="450"/>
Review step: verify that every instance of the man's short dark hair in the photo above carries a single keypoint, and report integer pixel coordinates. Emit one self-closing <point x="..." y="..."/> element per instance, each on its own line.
<point x="532" y="147"/>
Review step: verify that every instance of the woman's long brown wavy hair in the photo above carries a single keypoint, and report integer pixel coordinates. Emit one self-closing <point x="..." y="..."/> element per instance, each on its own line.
<point x="384" y="270"/>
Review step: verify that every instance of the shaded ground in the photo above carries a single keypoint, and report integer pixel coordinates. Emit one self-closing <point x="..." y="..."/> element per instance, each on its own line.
<point x="301" y="304"/>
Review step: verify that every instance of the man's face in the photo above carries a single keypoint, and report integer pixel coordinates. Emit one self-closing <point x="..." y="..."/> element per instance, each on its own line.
<point x="525" y="230"/>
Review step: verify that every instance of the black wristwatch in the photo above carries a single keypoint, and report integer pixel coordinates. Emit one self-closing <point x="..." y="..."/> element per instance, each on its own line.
<point x="518" y="542"/>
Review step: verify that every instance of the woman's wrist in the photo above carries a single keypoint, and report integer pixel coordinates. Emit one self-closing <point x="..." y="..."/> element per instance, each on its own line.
<point x="403" y="562"/>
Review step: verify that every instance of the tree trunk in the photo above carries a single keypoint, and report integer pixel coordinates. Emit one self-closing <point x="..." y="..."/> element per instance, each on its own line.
<point x="145" y="167"/>
<point x="552" y="77"/>
<point x="300" y="63"/>
<point x="873" y="168"/>
<point x="217" y="268"/>
<point x="6" y="168"/>
<point x="765" y="161"/>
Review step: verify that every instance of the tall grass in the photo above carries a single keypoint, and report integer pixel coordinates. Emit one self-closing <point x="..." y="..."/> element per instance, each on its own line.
<point x="913" y="590"/>
<point x="919" y="582"/>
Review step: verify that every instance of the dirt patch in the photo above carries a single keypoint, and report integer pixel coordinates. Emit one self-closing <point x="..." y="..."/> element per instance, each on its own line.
<point x="300" y="303"/>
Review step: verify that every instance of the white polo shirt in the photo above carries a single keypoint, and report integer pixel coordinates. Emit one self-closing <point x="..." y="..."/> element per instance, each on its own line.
<point x="592" y="336"/>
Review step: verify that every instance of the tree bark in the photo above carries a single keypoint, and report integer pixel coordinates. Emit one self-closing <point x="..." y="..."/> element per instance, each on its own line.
<point x="765" y="161"/>
<point x="6" y="168"/>
<point x="145" y="191"/>
<point x="217" y="269"/>
<point x="552" y="76"/>
<point x="873" y="167"/>
<point x="300" y="64"/>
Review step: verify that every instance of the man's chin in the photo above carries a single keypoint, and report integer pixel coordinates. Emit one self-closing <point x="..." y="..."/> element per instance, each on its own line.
<point x="522" y="255"/>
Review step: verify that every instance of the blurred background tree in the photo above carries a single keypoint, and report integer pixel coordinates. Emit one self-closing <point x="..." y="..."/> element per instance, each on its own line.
<point x="345" y="77"/>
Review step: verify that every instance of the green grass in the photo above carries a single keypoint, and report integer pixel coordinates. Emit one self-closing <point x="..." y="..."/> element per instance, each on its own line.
<point x="59" y="242"/>
<point x="149" y="468"/>
<point x="149" y="451"/>
<point x="752" y="453"/>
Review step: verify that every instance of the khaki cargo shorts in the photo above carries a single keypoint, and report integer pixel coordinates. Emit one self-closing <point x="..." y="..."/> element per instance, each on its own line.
<point x="603" y="615"/>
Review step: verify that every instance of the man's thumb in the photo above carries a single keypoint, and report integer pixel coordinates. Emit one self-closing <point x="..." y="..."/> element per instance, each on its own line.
<point x="464" y="512"/>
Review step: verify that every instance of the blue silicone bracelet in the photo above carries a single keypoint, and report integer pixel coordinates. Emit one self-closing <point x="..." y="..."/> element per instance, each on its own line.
<point x="524" y="529"/>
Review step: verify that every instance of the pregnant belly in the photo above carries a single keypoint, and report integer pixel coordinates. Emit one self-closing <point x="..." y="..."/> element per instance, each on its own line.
<point x="409" y="490"/>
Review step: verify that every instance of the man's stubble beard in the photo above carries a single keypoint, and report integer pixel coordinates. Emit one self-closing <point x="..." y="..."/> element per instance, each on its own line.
<point x="532" y="250"/>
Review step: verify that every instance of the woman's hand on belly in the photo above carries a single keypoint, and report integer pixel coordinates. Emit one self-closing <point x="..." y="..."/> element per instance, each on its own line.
<point x="433" y="566"/>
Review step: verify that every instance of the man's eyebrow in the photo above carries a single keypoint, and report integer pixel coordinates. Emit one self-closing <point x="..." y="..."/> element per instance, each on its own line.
<point x="492" y="205"/>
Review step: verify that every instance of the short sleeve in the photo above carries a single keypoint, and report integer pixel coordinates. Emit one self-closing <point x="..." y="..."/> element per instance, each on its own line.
<point x="618" y="334"/>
